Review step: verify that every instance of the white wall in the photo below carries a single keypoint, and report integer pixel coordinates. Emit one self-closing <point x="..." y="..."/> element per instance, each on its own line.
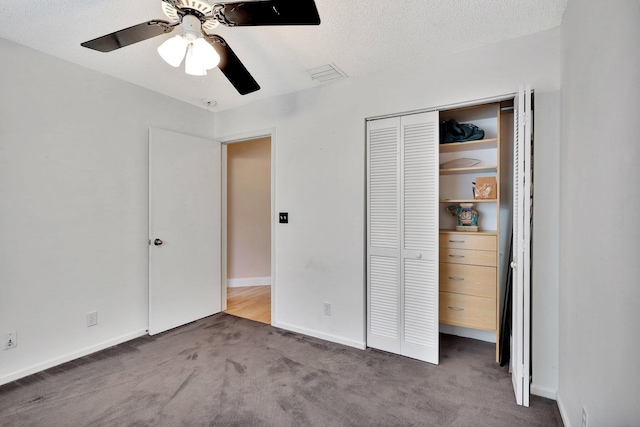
<point x="320" y="159"/>
<point x="74" y="205"/>
<point x="599" y="234"/>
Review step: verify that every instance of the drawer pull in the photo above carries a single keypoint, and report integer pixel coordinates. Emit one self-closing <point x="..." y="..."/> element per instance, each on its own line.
<point x="456" y="308"/>
<point x="456" y="278"/>
<point x="456" y="241"/>
<point x="456" y="256"/>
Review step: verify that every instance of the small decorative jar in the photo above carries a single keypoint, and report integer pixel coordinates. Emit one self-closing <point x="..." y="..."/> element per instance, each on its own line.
<point x="467" y="216"/>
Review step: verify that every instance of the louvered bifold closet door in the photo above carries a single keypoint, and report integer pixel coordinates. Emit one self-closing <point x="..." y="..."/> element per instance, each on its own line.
<point x="419" y="236"/>
<point x="402" y="227"/>
<point x="521" y="262"/>
<point x="516" y="339"/>
<point x="383" y="227"/>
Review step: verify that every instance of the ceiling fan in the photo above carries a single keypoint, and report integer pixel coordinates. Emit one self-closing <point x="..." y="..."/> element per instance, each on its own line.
<point x="202" y="51"/>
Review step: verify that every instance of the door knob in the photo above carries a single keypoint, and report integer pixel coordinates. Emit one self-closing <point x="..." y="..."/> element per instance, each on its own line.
<point x="157" y="242"/>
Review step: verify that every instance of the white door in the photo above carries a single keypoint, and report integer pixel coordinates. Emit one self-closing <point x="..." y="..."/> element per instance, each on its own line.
<point x="402" y="259"/>
<point x="419" y="241"/>
<point x="383" y="235"/>
<point x="184" y="229"/>
<point x="521" y="263"/>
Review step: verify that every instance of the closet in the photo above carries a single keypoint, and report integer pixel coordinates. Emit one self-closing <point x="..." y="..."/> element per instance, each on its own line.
<point x="426" y="272"/>
<point x="469" y="279"/>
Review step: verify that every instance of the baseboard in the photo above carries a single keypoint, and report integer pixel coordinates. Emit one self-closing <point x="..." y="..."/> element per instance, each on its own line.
<point x="70" y="356"/>
<point x="316" y="334"/>
<point x="248" y="281"/>
<point x="468" y="333"/>
<point x="544" y="392"/>
<point x="563" y="411"/>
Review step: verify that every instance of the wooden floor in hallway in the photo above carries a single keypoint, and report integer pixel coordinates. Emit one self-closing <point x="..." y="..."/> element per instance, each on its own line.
<point x="250" y="302"/>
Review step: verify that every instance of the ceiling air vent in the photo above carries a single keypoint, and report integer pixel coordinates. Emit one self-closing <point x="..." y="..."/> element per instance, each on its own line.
<point x="327" y="73"/>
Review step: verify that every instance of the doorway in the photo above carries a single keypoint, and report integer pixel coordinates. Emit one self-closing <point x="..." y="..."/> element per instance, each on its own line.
<point x="248" y="229"/>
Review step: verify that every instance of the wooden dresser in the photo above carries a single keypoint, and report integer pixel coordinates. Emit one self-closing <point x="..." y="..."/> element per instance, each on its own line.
<point x="468" y="280"/>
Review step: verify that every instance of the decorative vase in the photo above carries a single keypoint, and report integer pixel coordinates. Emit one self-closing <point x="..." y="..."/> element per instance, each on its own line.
<point x="467" y="216"/>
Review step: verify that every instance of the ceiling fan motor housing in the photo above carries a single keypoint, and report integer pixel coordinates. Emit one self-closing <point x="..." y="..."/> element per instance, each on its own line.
<point x="191" y="8"/>
<point x="191" y="27"/>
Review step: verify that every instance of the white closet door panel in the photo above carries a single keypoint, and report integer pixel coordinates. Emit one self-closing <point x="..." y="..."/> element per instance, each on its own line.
<point x="383" y="226"/>
<point x="384" y="303"/>
<point x="384" y="185"/>
<point x="520" y="335"/>
<point x="419" y="238"/>
<point x="420" y="310"/>
<point x="402" y="219"/>
<point x="420" y="181"/>
<point x="526" y="246"/>
<point x="516" y="348"/>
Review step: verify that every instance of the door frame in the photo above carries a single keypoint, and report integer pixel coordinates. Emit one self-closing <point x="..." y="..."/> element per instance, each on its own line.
<point x="232" y="139"/>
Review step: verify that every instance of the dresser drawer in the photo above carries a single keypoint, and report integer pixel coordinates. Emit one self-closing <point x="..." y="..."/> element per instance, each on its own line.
<point x="462" y="256"/>
<point x="468" y="279"/>
<point x="468" y="241"/>
<point x="468" y="311"/>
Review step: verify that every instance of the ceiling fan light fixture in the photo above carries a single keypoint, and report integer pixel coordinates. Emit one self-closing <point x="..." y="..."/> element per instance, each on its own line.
<point x="193" y="64"/>
<point x="205" y="54"/>
<point x="173" y="49"/>
<point x="200" y="55"/>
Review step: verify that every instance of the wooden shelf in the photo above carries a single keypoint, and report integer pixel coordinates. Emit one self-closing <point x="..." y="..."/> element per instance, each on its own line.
<point x="468" y="200"/>
<point x="456" y="171"/>
<point x="482" y="233"/>
<point x="481" y="144"/>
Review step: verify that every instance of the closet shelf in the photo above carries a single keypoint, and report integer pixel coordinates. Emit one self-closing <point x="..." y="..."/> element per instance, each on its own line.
<point x="473" y="233"/>
<point x="468" y="200"/>
<point x="481" y="144"/>
<point x="456" y="171"/>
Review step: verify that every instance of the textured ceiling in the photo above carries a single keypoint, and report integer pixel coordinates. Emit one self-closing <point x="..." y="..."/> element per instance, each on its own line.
<point x="359" y="36"/>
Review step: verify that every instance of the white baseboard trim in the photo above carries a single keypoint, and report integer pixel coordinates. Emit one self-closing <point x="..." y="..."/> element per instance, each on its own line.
<point x="248" y="281"/>
<point x="70" y="356"/>
<point x="547" y="392"/>
<point x="316" y="334"/>
<point x="563" y="411"/>
<point x="468" y="333"/>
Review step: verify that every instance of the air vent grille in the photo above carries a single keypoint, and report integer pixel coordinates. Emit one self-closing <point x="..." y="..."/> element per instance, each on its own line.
<point x="327" y="73"/>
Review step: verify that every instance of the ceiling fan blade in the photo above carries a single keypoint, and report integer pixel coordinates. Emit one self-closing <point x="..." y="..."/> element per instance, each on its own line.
<point x="231" y="66"/>
<point x="130" y="35"/>
<point x="270" y="12"/>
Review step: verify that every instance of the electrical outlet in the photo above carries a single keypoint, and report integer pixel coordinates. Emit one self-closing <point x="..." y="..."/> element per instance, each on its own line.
<point x="584" y="417"/>
<point x="327" y="309"/>
<point x="92" y="318"/>
<point x="9" y="340"/>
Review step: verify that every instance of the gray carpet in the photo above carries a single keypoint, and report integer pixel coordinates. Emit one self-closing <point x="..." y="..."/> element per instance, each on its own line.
<point x="227" y="371"/>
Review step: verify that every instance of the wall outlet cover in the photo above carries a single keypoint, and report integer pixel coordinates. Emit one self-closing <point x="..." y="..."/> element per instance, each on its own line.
<point x="327" y="309"/>
<point x="9" y="340"/>
<point x="92" y="318"/>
